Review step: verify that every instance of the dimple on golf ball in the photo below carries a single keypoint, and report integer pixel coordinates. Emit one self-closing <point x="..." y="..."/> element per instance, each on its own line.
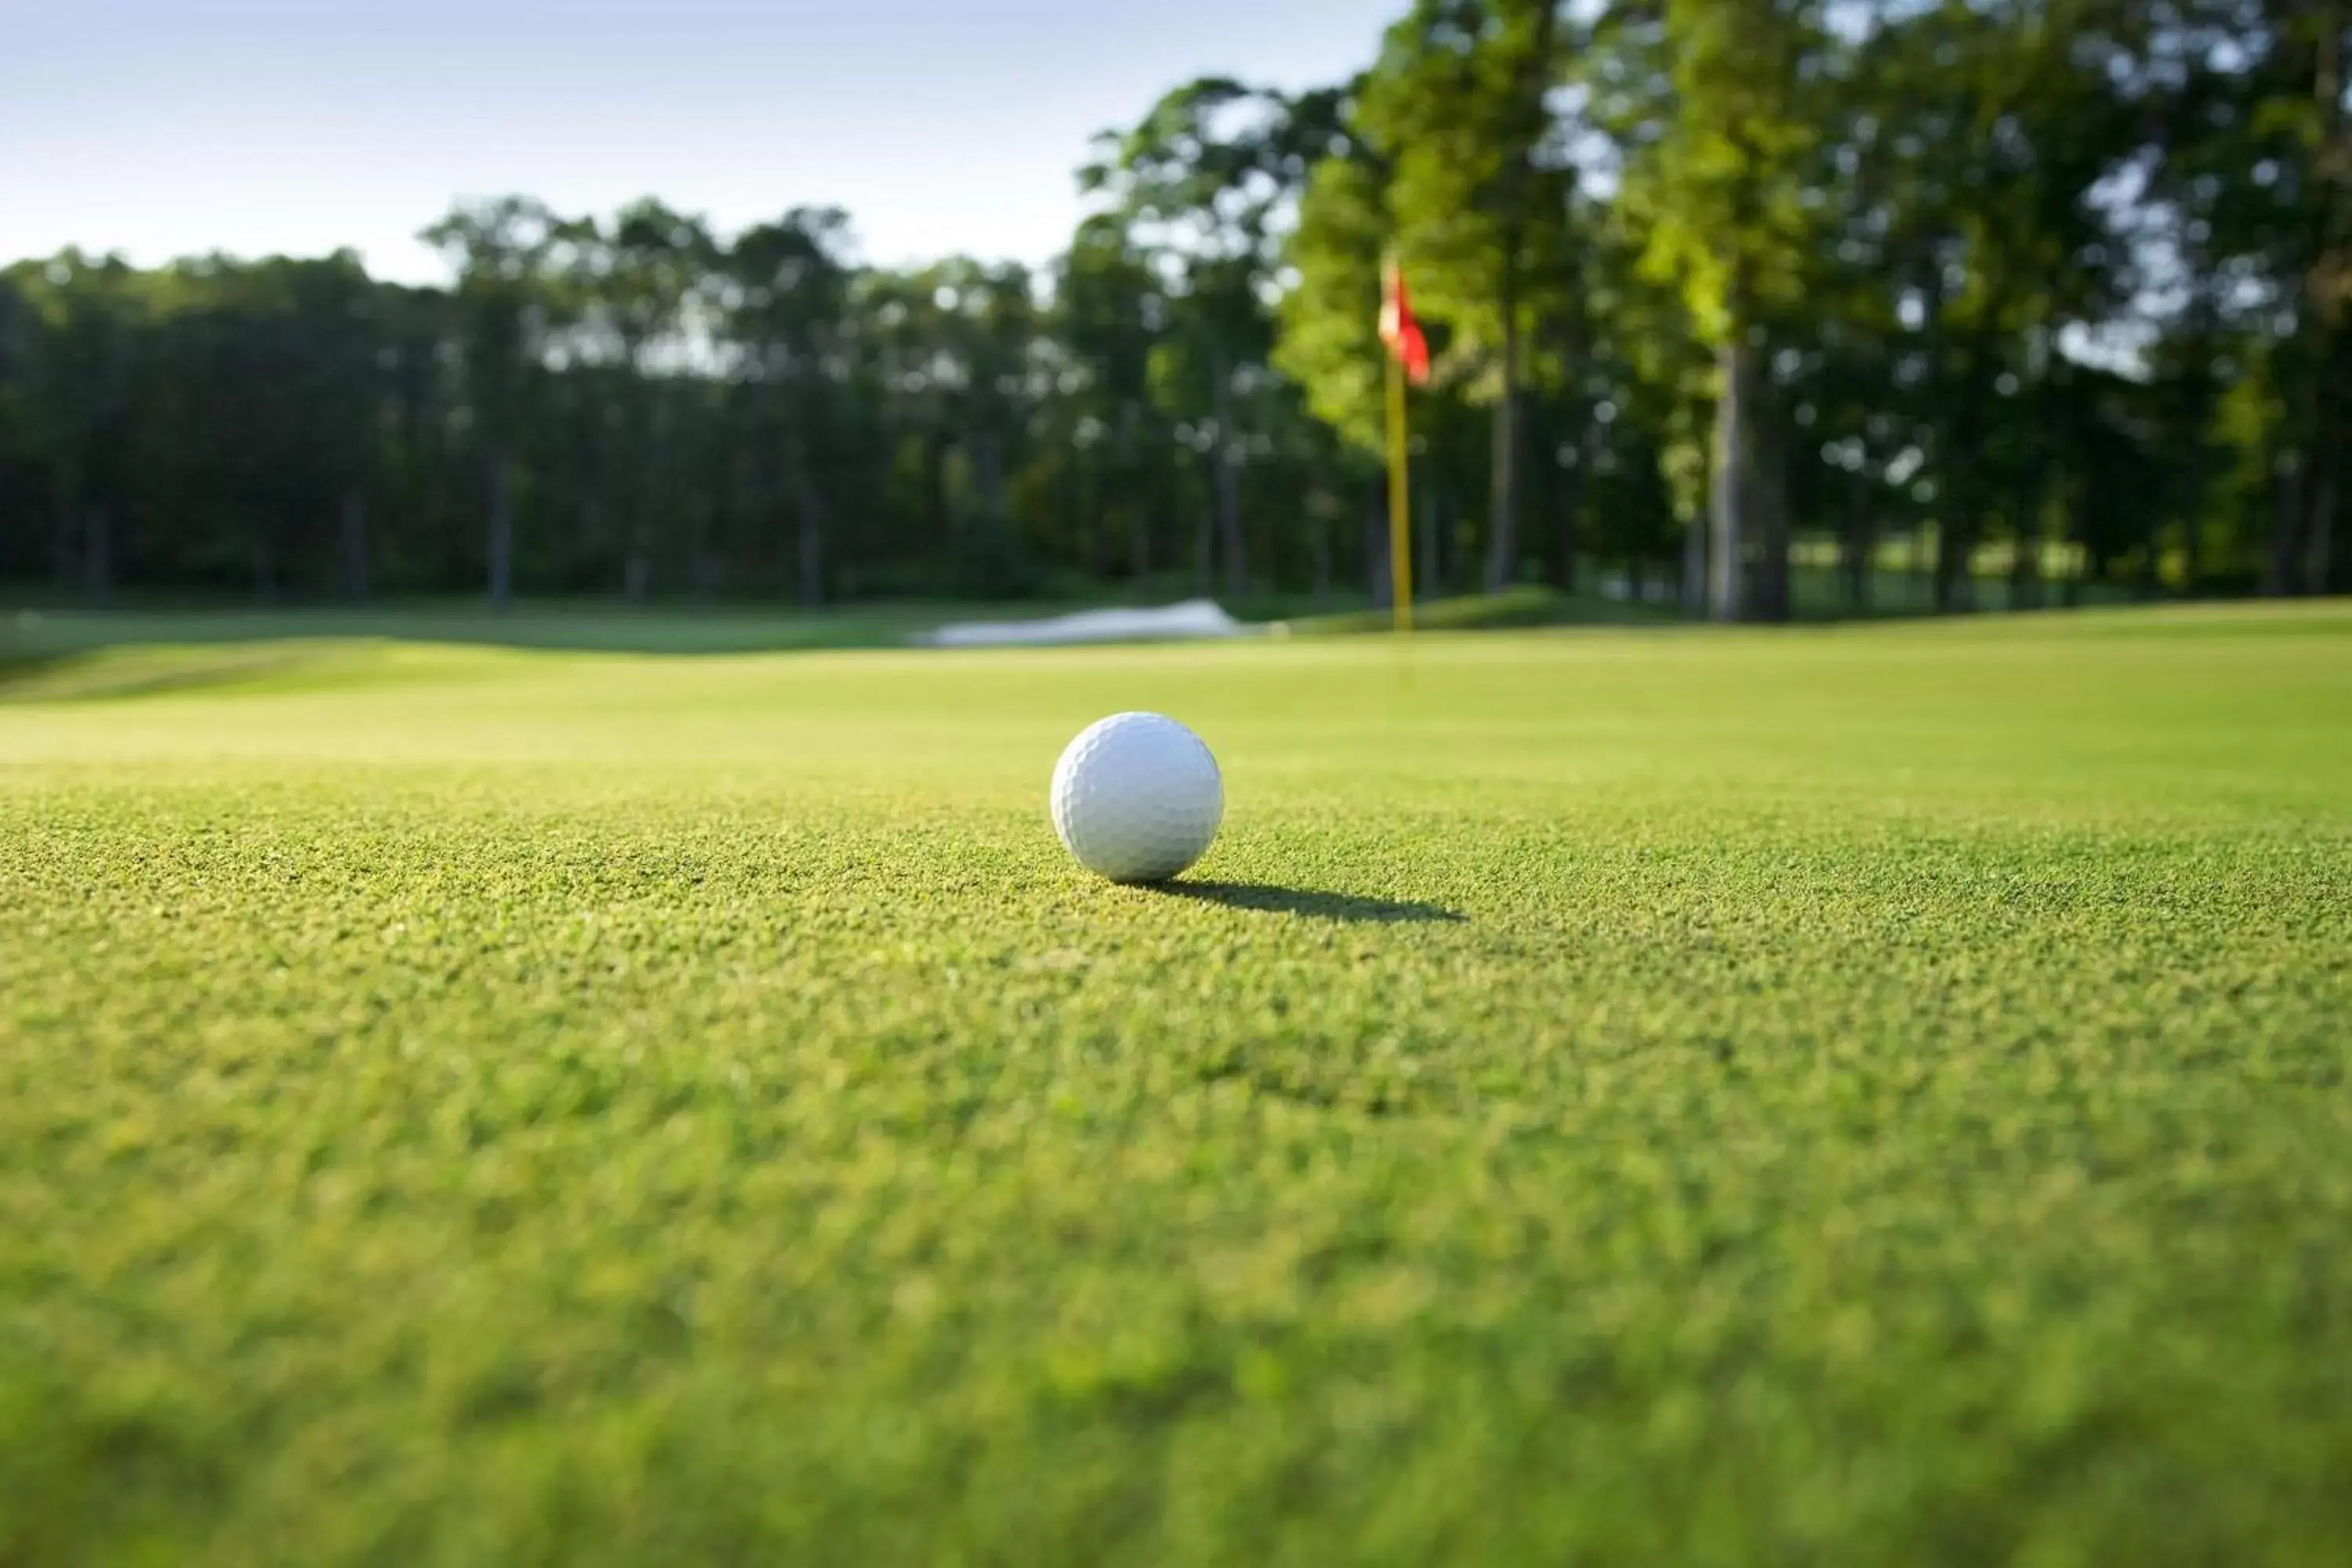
<point x="1137" y="797"/>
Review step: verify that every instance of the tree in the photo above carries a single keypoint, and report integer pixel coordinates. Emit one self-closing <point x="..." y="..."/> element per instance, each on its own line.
<point x="1795" y="277"/>
<point x="79" y="321"/>
<point x="500" y="251"/>
<point x="2312" y="265"/>
<point x="1202" y="188"/>
<point x="1481" y="194"/>
<point x="787" y="313"/>
<point x="1998" y="138"/>
<point x="1108" y="312"/>
<point x="1728" y="205"/>
<point x="643" y="286"/>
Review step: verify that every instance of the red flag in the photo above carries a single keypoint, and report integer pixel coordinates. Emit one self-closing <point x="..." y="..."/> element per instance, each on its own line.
<point x="1400" y="330"/>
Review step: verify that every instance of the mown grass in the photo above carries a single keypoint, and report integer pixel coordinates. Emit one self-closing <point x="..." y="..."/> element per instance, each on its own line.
<point x="1513" y="608"/>
<point x="29" y="634"/>
<point x="34" y="638"/>
<point x="1862" y="1096"/>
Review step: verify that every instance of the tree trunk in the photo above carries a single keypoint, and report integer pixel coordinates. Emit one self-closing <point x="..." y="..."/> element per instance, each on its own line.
<point x="1088" y="518"/>
<point x="1860" y="539"/>
<point x="1572" y="490"/>
<point x="2192" y="554"/>
<point x="1694" y="574"/>
<point x="98" y="555"/>
<point x="1502" y="524"/>
<point x="65" y="537"/>
<point x="2025" y="575"/>
<point x="2192" y="516"/>
<point x="1229" y="523"/>
<point x="1573" y="342"/>
<point x="501" y="531"/>
<point x="2319" y="527"/>
<point x="2281" y="575"/>
<point x="1960" y="492"/>
<point x="704" y="569"/>
<point x="1732" y="489"/>
<point x="2025" y="565"/>
<point x="1533" y="79"/>
<point x="1138" y="515"/>
<point x="935" y="486"/>
<point x="1226" y="454"/>
<point x="2329" y="292"/>
<point x="356" y="550"/>
<point x="988" y="477"/>
<point x="1319" y="508"/>
<point x="808" y="507"/>
<point x="1768" y="576"/>
<point x="1096" y="520"/>
<point x="2070" y="529"/>
<point x="592" y="527"/>
<point x="1953" y="546"/>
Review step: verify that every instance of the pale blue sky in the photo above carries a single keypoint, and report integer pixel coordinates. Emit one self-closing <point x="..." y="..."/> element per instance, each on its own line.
<point x="168" y="127"/>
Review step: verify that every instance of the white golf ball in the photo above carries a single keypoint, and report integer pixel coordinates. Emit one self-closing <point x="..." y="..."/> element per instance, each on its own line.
<point x="1137" y="798"/>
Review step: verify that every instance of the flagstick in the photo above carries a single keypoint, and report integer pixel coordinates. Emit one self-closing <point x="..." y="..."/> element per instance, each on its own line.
<point x="1399" y="508"/>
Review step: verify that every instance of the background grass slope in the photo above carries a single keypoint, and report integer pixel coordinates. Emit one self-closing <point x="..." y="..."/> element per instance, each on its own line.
<point x="1859" y="1095"/>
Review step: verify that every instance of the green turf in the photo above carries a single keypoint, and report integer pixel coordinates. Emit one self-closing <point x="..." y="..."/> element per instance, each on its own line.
<point x="1870" y="1096"/>
<point x="33" y="635"/>
<point x="1526" y="605"/>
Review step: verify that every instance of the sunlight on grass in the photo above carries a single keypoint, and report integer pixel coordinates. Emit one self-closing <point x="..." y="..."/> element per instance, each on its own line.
<point x="1873" y="1095"/>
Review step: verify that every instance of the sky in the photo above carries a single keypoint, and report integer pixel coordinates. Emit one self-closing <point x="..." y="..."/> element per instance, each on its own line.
<point x="164" y="128"/>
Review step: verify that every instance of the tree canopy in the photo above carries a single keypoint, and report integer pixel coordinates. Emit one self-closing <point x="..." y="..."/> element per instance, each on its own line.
<point x="1734" y="301"/>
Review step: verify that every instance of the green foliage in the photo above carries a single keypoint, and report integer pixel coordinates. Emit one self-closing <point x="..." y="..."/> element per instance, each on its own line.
<point x="500" y="251"/>
<point x="1966" y="263"/>
<point x="1330" y="342"/>
<point x="1870" y="1096"/>
<point x="1723" y="196"/>
<point x="1197" y="192"/>
<point x="1456" y="107"/>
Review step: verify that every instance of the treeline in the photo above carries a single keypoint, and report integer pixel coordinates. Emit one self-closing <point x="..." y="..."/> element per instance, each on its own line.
<point x="2050" y="288"/>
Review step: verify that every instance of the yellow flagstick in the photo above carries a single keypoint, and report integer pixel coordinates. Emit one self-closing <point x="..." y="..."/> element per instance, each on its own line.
<point x="1400" y="505"/>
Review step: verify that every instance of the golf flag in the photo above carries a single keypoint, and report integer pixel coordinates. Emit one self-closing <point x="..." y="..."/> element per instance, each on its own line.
<point x="1400" y="330"/>
<point x="1408" y="361"/>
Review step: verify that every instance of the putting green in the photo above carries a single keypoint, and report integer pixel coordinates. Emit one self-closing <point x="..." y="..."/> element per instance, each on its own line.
<point x="1872" y="1095"/>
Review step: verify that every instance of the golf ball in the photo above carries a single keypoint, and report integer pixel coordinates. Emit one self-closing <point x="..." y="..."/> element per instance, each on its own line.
<point x="1137" y="797"/>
